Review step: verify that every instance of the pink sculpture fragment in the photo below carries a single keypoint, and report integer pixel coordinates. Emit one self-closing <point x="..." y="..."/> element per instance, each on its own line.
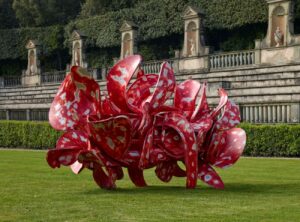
<point x="142" y="123"/>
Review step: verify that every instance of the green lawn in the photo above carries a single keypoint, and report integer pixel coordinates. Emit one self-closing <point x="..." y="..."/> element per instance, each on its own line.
<point x="256" y="189"/>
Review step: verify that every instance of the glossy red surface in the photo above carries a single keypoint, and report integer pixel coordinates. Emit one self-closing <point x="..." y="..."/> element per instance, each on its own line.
<point x="138" y="126"/>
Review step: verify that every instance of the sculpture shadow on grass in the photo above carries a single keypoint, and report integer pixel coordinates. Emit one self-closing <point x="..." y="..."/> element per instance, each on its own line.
<point x="231" y="189"/>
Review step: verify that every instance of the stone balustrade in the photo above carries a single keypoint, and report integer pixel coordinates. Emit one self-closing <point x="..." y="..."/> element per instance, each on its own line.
<point x="269" y="113"/>
<point x="10" y="81"/>
<point x="53" y="77"/>
<point x="232" y="59"/>
<point x="154" y="66"/>
<point x="25" y="114"/>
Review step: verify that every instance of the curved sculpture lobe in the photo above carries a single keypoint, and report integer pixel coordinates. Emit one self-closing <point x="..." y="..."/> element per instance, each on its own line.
<point x="77" y="97"/>
<point x="186" y="132"/>
<point x="112" y="135"/>
<point x="164" y="87"/>
<point x="233" y="148"/>
<point x="209" y="176"/>
<point x="139" y="91"/>
<point x="185" y="97"/>
<point x="68" y="148"/>
<point x="136" y="176"/>
<point x="118" y="79"/>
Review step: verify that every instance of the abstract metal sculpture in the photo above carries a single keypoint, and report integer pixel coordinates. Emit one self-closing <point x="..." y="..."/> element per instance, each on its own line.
<point x="133" y="127"/>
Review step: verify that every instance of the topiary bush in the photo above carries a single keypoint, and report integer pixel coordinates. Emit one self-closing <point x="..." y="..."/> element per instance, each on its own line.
<point x="26" y="134"/>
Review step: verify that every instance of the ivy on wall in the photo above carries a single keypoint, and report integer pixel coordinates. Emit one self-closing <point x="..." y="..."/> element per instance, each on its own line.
<point x="13" y="41"/>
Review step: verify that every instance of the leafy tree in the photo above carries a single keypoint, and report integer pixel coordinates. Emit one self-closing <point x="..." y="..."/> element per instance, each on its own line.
<point x="31" y="13"/>
<point x="25" y="12"/>
<point x="7" y="15"/>
<point x="98" y="7"/>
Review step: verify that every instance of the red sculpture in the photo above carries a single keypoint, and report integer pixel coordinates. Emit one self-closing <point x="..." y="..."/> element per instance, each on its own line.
<point x="133" y="127"/>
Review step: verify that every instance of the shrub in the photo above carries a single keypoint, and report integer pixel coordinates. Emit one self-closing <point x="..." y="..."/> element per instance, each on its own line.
<point x="25" y="134"/>
<point x="272" y="140"/>
<point x="262" y="140"/>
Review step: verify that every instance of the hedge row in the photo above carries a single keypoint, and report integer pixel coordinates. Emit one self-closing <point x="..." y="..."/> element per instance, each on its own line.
<point x="262" y="140"/>
<point x="272" y="140"/>
<point x="25" y="134"/>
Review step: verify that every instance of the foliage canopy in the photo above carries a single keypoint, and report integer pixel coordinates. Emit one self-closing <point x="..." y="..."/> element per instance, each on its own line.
<point x="51" y="22"/>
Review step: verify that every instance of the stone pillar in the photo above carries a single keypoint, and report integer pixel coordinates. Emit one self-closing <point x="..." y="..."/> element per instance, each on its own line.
<point x="78" y="49"/>
<point x="7" y="115"/>
<point x="280" y="24"/>
<point x="283" y="112"/>
<point x="32" y="75"/>
<point x="1" y="82"/>
<point x="288" y="113"/>
<point x="129" y="32"/>
<point x="28" y="114"/>
<point x="295" y="113"/>
<point x="257" y="57"/>
<point x="176" y="61"/>
<point x="194" y="44"/>
<point x="265" y="114"/>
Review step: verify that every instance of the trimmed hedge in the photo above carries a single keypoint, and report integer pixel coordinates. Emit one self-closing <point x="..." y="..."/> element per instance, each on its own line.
<point x="25" y="134"/>
<point x="262" y="140"/>
<point x="280" y="140"/>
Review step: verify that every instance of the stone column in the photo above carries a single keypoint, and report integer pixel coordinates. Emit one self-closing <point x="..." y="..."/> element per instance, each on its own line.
<point x="295" y="113"/>
<point x="7" y="115"/>
<point x="257" y="56"/>
<point x="129" y="32"/>
<point x="78" y="49"/>
<point x="176" y="61"/>
<point x="28" y="114"/>
<point x="32" y="75"/>
<point x="1" y="82"/>
<point x="194" y="44"/>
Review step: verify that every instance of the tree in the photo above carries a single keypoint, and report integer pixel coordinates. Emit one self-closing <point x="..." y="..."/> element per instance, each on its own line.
<point x="7" y="15"/>
<point x="98" y="7"/>
<point x="25" y="12"/>
<point x="31" y="13"/>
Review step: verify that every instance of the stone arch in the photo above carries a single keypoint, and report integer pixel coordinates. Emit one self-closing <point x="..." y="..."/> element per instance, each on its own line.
<point x="191" y="38"/>
<point x="77" y="54"/>
<point x="278" y="20"/>
<point x="126" y="45"/>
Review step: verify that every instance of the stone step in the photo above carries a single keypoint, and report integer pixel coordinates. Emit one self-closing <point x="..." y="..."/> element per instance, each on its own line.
<point x="240" y="88"/>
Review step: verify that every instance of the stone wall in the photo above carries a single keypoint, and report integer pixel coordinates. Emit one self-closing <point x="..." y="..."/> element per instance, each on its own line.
<point x="265" y="94"/>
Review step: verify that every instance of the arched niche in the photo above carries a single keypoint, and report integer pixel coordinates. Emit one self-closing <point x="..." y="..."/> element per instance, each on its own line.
<point x="126" y="45"/>
<point x="278" y="21"/>
<point x="191" y="38"/>
<point x="31" y="61"/>
<point x="129" y="32"/>
<point x="77" y="54"/>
